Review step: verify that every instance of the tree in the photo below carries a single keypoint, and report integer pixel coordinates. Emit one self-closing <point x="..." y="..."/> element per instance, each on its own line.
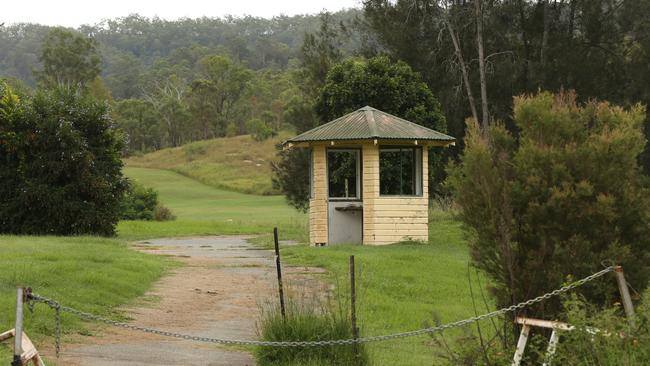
<point x="68" y="59"/>
<point x="352" y="84"/>
<point x="556" y="204"/>
<point x="140" y="123"/>
<point x="168" y="100"/>
<point x="392" y="87"/>
<point x="217" y="94"/>
<point x="61" y="170"/>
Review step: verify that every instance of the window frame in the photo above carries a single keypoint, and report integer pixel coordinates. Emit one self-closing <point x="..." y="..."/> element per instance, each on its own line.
<point x="359" y="187"/>
<point x="418" y="180"/>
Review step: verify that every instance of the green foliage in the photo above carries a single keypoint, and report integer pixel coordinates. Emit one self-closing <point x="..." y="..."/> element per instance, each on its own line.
<point x="139" y="122"/>
<point x="162" y="213"/>
<point x="291" y="176"/>
<point x="307" y="320"/>
<point x="566" y="196"/>
<point x="392" y="87"/>
<point x="61" y="168"/>
<point x="259" y="129"/>
<point x="615" y="343"/>
<point x="141" y="203"/>
<point x="216" y="95"/>
<point x="68" y="59"/>
<point x="389" y="86"/>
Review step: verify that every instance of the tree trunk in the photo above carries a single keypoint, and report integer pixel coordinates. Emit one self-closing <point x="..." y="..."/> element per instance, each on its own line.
<point x="463" y="68"/>
<point x="481" y="63"/>
<point x="524" y="38"/>
<point x="545" y="20"/>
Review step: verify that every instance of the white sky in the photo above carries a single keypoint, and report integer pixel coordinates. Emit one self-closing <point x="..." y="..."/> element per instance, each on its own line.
<point x="72" y="13"/>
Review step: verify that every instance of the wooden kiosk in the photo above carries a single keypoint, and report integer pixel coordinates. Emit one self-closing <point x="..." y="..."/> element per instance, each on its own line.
<point x="368" y="178"/>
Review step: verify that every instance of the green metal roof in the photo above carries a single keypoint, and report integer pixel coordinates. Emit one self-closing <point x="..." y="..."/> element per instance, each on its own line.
<point x="368" y="123"/>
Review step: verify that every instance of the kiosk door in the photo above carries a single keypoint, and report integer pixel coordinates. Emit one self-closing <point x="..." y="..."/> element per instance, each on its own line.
<point x="345" y="210"/>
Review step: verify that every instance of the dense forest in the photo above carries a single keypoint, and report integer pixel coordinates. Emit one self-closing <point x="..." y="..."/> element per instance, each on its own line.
<point x="170" y="82"/>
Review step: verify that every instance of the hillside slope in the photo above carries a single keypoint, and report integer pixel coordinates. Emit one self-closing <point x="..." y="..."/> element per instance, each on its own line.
<point x="238" y="163"/>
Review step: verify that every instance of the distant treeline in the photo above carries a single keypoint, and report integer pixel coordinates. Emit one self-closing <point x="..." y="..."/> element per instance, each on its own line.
<point x="130" y="46"/>
<point x="168" y="87"/>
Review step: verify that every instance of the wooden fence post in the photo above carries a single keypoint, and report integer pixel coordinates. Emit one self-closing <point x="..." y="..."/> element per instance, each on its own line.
<point x="625" y="295"/>
<point x="353" y="308"/>
<point x="18" y="338"/>
<point x="279" y="271"/>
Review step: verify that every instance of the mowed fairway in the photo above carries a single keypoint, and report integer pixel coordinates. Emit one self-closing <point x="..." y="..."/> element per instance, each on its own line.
<point x="205" y="210"/>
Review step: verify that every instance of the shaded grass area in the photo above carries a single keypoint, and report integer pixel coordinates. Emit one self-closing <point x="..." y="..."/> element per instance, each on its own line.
<point x="88" y="273"/>
<point x="205" y="210"/>
<point x="237" y="163"/>
<point x="401" y="287"/>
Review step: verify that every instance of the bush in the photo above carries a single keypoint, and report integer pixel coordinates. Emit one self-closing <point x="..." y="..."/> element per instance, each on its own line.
<point x="307" y="322"/>
<point x="162" y="213"/>
<point x="259" y="129"/>
<point x="614" y="344"/>
<point x="141" y="203"/>
<point x="60" y="170"/>
<point x="601" y="336"/>
<point x="557" y="202"/>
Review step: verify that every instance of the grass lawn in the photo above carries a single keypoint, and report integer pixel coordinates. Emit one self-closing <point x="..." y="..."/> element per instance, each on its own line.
<point x="204" y="210"/>
<point x="89" y="273"/>
<point x="401" y="287"/>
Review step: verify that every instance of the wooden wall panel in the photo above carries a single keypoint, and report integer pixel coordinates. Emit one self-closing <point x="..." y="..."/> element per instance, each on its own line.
<point x="393" y="219"/>
<point x="318" y="202"/>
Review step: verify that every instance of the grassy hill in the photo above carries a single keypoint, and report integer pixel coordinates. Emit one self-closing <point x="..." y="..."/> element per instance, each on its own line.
<point x="238" y="163"/>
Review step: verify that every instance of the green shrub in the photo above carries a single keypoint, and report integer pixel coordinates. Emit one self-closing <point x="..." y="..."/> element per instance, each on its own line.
<point x="259" y="129"/>
<point x="60" y="166"/>
<point x="141" y="203"/>
<point x="162" y="213"/>
<point x="603" y="337"/>
<point x="307" y="321"/>
<point x="556" y="201"/>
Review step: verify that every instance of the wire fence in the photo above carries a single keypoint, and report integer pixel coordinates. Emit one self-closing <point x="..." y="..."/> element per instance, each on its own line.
<point x="57" y="307"/>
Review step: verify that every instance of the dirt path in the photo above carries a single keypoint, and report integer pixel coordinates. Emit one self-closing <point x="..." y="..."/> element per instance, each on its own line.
<point x="217" y="294"/>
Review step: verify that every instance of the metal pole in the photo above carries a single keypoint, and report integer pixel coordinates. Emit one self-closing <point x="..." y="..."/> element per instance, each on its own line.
<point x="625" y="295"/>
<point x="18" y="335"/>
<point x="353" y="307"/>
<point x="279" y="270"/>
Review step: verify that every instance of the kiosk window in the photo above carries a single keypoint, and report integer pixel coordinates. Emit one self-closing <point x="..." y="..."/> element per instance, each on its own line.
<point x="343" y="174"/>
<point x="400" y="171"/>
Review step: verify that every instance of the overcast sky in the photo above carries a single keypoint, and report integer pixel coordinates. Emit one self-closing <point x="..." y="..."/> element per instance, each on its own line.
<point x="72" y="13"/>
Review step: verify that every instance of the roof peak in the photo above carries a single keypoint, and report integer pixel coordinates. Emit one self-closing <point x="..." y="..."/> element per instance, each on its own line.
<point x="367" y="108"/>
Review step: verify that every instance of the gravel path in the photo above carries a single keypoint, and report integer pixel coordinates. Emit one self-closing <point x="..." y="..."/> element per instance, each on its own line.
<point x="217" y="294"/>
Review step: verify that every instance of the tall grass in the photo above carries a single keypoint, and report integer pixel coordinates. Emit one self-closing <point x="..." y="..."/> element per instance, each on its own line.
<point x="308" y="321"/>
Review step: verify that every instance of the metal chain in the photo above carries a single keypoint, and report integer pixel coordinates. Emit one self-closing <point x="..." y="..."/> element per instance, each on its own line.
<point x="437" y="329"/>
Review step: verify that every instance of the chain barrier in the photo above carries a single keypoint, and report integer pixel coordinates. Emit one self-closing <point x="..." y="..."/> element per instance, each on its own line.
<point x="34" y="298"/>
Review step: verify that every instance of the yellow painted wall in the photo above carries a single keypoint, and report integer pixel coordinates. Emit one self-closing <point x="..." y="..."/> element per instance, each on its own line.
<point x="386" y="220"/>
<point x="318" y="201"/>
<point x="391" y="219"/>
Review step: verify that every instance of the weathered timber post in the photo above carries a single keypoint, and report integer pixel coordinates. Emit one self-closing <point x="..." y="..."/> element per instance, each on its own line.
<point x="625" y="295"/>
<point x="353" y="308"/>
<point x="279" y="270"/>
<point x="18" y="335"/>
